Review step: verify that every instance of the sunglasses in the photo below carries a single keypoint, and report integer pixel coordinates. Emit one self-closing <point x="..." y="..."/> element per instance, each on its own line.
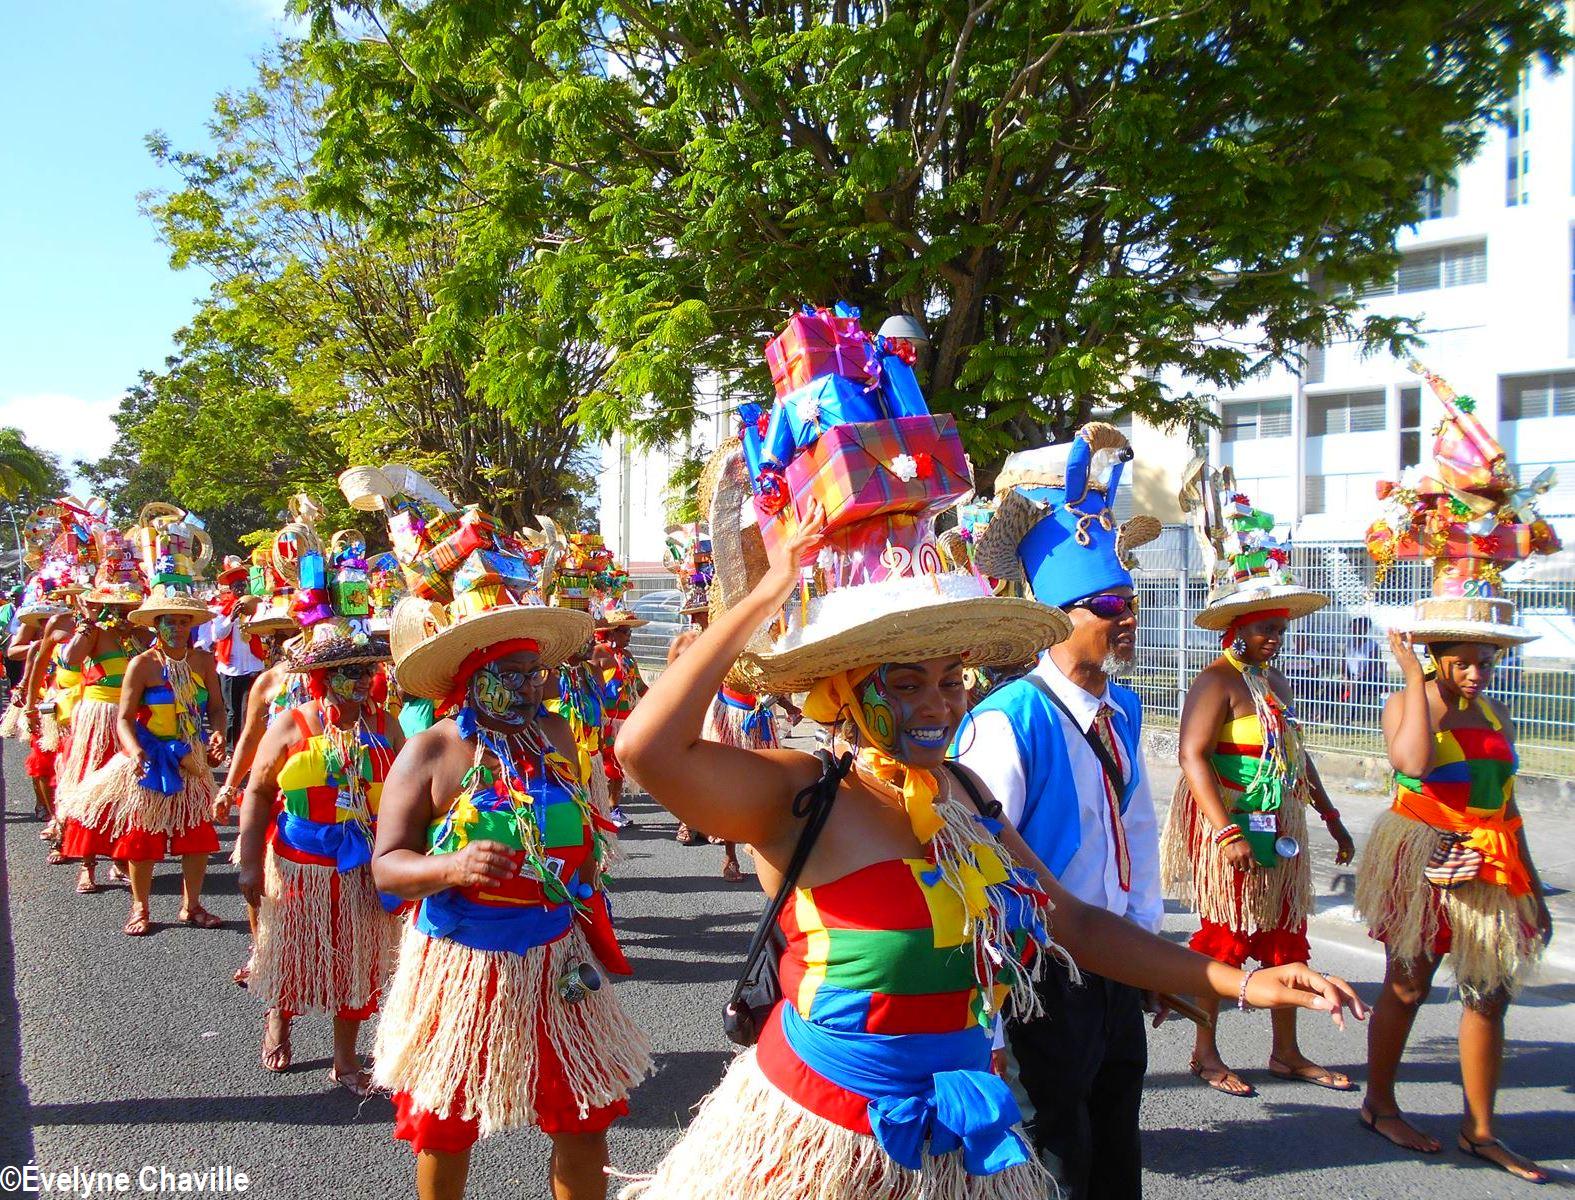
<point x="1108" y="606"/>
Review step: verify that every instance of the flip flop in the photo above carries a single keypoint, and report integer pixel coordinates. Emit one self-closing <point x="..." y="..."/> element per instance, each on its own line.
<point x="1369" y="1121"/>
<point x="1312" y="1073"/>
<point x="1218" y="1084"/>
<point x="1473" y="1149"/>
<point x="279" y="1050"/>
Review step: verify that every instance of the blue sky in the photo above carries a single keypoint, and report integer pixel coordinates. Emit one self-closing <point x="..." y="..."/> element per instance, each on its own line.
<point x="87" y="297"/>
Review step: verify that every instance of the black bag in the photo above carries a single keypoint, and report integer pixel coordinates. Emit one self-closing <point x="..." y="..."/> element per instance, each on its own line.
<point x="759" y="989"/>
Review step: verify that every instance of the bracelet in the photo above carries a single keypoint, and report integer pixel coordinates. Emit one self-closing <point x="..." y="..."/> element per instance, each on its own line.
<point x="1230" y="833"/>
<point x="227" y="792"/>
<point x="1331" y="816"/>
<point x="1241" y="992"/>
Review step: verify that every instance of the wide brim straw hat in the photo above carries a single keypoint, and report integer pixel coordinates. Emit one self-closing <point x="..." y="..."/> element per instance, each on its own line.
<point x="34" y="614"/>
<point x="162" y="603"/>
<point x="1488" y="621"/>
<point x="430" y="668"/>
<point x="337" y="649"/>
<point x="268" y="623"/>
<point x="126" y="597"/>
<point x="1225" y="605"/>
<point x="412" y="622"/>
<point x="908" y="620"/>
<point x="618" y="618"/>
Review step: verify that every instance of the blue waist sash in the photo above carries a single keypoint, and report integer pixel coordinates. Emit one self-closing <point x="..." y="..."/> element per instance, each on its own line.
<point x="758" y="723"/>
<point x="515" y="928"/>
<point x="163" y="754"/>
<point x="922" y="1088"/>
<point x="348" y="843"/>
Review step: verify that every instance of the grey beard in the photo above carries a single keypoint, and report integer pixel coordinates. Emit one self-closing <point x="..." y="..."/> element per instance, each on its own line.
<point x="1117" y="664"/>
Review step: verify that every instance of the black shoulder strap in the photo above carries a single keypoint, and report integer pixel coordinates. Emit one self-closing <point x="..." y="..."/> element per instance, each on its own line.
<point x="814" y="803"/>
<point x="989" y="809"/>
<point x="1112" y="768"/>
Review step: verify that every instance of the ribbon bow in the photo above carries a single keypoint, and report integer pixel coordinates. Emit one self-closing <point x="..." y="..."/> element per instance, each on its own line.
<point x="163" y="773"/>
<point x="970" y="1110"/>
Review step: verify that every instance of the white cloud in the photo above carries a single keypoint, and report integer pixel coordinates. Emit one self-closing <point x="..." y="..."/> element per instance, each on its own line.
<point x="72" y="427"/>
<point x="274" y="13"/>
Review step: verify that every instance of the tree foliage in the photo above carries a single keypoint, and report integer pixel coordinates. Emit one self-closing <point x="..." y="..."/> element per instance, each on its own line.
<point x="314" y="348"/>
<point x="1073" y="196"/>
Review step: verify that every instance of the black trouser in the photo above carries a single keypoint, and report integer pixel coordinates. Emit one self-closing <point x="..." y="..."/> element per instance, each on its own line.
<point x="1081" y="1066"/>
<point x="235" y="689"/>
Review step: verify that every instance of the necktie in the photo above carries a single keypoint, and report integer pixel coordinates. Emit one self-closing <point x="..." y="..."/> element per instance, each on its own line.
<point x="1105" y="731"/>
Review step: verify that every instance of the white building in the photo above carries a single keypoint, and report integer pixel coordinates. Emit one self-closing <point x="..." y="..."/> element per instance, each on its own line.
<point x="1490" y="277"/>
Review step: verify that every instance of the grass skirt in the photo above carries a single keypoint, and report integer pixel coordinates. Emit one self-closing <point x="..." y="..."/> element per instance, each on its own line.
<point x="12" y="726"/>
<point x="1493" y="941"/>
<point x="459" y="1031"/>
<point x="324" y="942"/>
<point x="1193" y="870"/>
<point x="50" y="732"/>
<point x="749" y="1139"/>
<point x="93" y="743"/>
<point x="113" y="802"/>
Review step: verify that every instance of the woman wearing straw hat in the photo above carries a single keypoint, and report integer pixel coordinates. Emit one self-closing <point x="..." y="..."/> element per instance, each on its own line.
<point x="155" y="798"/>
<point x="324" y="941"/>
<point x="625" y="686"/>
<point x="916" y="916"/>
<point x="102" y="648"/>
<point x="49" y="690"/>
<point x="1447" y="872"/>
<point x="1235" y="838"/>
<point x="498" y="1014"/>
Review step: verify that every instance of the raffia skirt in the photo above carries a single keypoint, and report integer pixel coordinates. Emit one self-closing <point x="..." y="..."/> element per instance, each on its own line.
<point x="1194" y="871"/>
<point x="93" y="742"/>
<point x="460" y="1030"/>
<point x="749" y="1138"/>
<point x="324" y="942"/>
<point x="1488" y="936"/>
<point x="115" y="808"/>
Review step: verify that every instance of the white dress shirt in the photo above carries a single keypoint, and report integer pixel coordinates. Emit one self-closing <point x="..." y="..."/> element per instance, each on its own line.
<point x="1091" y="874"/>
<point x="242" y="660"/>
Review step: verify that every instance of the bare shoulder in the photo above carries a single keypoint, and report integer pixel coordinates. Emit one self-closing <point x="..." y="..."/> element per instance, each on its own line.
<point x="559" y="733"/>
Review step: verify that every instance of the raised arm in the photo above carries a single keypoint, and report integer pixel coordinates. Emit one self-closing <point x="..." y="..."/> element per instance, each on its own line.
<point x="738" y="795"/>
<point x="1408" y="726"/>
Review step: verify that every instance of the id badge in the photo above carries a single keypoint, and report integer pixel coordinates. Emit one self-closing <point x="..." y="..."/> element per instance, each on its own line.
<point x="1263" y="822"/>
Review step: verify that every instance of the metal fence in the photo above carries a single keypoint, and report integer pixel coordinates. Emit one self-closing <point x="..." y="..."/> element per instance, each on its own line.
<point x="1340" y="673"/>
<point x="1340" y="676"/>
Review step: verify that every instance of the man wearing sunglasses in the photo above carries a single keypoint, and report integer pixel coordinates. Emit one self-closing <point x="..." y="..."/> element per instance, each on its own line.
<point x="1059" y="748"/>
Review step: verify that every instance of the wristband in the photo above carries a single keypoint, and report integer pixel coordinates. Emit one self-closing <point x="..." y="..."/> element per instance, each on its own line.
<point x="1241" y="992"/>
<point x="1230" y="833"/>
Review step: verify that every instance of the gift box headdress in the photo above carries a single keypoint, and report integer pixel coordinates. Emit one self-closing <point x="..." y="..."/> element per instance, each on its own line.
<point x="850" y="429"/>
<point x="1249" y="567"/>
<point x="174" y="547"/>
<point x="1468" y="514"/>
<point x="490" y="585"/>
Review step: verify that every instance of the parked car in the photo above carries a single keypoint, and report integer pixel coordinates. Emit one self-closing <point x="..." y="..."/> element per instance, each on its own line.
<point x="649" y="642"/>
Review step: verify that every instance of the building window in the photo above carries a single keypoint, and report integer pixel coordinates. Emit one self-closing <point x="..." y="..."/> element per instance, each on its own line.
<point x="1438" y="198"/>
<point x="1345" y="412"/>
<point x="1340" y="493"/>
<point x="1252" y="420"/>
<point x="1410" y="426"/>
<point x="1530" y="397"/>
<point x="1438" y="267"/>
<point x="1517" y="143"/>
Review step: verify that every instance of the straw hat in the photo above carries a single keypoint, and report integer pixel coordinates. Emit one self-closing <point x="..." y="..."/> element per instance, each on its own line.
<point x="907" y="620"/>
<point x="40" y="611"/>
<point x="334" y="644"/>
<point x="413" y="621"/>
<point x="124" y="594"/>
<point x="164" y="600"/>
<point x="1249" y="568"/>
<point x="430" y="668"/>
<point x="1468" y="514"/>
<point x="268" y="620"/>
<point x="618" y="618"/>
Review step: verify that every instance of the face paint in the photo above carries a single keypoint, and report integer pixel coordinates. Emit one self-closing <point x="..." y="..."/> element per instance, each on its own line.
<point x="500" y="695"/>
<point x="349" y="686"/>
<point x="169" y="629"/>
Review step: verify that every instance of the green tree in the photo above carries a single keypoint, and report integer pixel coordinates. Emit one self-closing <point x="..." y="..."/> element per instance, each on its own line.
<point x="1073" y="196"/>
<point x="25" y="471"/>
<point x="313" y="349"/>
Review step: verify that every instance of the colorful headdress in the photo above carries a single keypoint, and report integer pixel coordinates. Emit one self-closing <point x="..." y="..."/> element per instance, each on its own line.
<point x="174" y="547"/>
<point x="689" y="558"/>
<point x="1249" y="568"/>
<point x="1053" y="527"/>
<point x="1472" y="518"/>
<point x="850" y="429"/>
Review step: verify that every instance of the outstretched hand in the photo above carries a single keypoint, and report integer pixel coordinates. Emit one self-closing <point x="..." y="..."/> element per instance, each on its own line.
<point x="1296" y="985"/>
<point x="792" y="553"/>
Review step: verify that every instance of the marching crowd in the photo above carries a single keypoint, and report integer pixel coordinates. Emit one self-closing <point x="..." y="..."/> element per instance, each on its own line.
<point x="427" y="747"/>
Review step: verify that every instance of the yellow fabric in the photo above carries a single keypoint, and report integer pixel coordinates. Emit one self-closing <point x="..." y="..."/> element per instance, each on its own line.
<point x="838" y="693"/>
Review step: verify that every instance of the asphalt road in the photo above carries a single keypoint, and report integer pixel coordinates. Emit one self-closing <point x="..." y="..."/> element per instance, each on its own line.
<point x="116" y="1054"/>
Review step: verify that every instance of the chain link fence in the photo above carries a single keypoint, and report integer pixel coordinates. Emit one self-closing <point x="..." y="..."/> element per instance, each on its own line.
<point x="1338" y="661"/>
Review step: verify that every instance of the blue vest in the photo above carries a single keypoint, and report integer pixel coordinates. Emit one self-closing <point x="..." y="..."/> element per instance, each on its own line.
<point x="1049" y="823"/>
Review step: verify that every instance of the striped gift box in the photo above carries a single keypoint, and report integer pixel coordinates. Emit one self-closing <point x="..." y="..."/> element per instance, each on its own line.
<point x="880" y="468"/>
